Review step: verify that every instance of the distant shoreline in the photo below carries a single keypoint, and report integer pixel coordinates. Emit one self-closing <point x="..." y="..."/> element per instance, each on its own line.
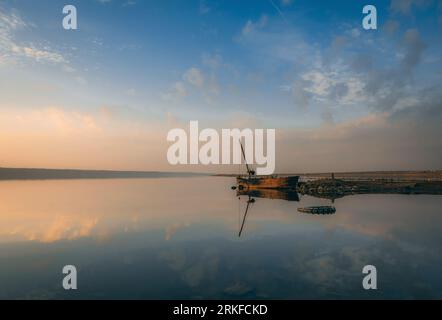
<point x="412" y="175"/>
<point x="73" y="174"/>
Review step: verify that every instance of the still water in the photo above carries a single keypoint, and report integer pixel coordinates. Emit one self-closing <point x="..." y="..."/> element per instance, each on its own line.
<point x="177" y="238"/>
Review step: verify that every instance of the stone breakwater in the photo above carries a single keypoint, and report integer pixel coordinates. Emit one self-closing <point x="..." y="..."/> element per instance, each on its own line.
<point x="337" y="188"/>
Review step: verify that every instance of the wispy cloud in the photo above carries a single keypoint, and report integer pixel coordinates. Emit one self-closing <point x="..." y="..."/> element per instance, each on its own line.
<point x="405" y="6"/>
<point x="177" y="92"/>
<point x="251" y="26"/>
<point x="11" y="49"/>
<point x="195" y="77"/>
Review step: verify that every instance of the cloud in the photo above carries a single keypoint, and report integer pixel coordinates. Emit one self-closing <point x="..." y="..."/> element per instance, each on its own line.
<point x="361" y="63"/>
<point x="374" y="78"/>
<point x="405" y="6"/>
<point x="57" y="137"/>
<point x="320" y="82"/>
<point x="405" y="138"/>
<point x="50" y="119"/>
<point x="11" y="50"/>
<point x="368" y="143"/>
<point x="386" y="85"/>
<point x="37" y="54"/>
<point x="327" y="87"/>
<point x="276" y="43"/>
<point x="251" y="26"/>
<point x="202" y="82"/>
<point x="177" y="92"/>
<point x="391" y="26"/>
<point x="414" y="48"/>
<point x="300" y="96"/>
<point x="320" y="75"/>
<point x="11" y="21"/>
<point x="213" y="86"/>
<point x="424" y="108"/>
<point x="355" y="33"/>
<point x="376" y="113"/>
<point x="349" y="76"/>
<point x="213" y="61"/>
<point x="195" y="77"/>
<point x="49" y="228"/>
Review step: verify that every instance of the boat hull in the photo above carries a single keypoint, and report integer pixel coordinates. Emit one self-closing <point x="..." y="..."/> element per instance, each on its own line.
<point x="256" y="182"/>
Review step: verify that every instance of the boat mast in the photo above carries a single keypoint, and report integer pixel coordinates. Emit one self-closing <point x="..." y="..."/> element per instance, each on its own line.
<point x="249" y="171"/>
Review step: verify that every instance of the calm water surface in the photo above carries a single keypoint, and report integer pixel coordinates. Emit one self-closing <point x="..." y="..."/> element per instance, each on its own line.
<point x="178" y="238"/>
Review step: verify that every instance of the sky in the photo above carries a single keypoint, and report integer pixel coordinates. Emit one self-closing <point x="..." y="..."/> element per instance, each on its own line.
<point x="340" y="97"/>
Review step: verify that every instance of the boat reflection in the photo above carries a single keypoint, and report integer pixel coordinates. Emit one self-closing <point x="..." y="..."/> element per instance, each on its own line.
<point x="289" y="195"/>
<point x="250" y="201"/>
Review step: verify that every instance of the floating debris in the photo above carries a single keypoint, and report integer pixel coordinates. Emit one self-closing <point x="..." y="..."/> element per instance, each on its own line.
<point x="318" y="210"/>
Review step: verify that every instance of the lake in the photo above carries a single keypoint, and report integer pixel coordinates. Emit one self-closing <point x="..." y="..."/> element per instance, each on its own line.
<point x="177" y="238"/>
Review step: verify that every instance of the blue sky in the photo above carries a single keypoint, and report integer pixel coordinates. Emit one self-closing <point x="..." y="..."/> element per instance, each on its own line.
<point x="291" y="65"/>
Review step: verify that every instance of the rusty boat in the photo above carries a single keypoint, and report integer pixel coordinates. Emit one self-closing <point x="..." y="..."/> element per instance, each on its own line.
<point x="251" y="181"/>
